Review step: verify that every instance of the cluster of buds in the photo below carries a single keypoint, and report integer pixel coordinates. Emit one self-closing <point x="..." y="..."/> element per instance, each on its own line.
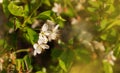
<point x="49" y="32"/>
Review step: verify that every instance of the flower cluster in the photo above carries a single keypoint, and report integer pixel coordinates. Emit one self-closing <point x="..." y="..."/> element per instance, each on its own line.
<point x="49" y="32"/>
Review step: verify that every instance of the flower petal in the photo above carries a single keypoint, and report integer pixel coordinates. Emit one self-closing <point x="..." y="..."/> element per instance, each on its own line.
<point x="35" y="53"/>
<point x="35" y="46"/>
<point x="44" y="27"/>
<point x="56" y="28"/>
<point x="42" y="39"/>
<point x="44" y="46"/>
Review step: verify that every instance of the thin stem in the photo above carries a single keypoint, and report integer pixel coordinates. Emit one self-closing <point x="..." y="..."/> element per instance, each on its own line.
<point x="30" y="15"/>
<point x="22" y="50"/>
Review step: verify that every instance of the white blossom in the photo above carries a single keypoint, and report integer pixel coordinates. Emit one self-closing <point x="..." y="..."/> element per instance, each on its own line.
<point x="39" y="47"/>
<point x="1" y="1"/>
<point x="57" y="8"/>
<point x="54" y="33"/>
<point x="110" y="58"/>
<point x="79" y="7"/>
<point x="48" y="32"/>
<point x="11" y="30"/>
<point x="98" y="45"/>
<point x="74" y="21"/>
<point x="42" y="39"/>
<point x="44" y="30"/>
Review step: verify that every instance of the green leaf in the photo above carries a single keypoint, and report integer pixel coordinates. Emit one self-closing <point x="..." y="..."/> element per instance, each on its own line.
<point x="117" y="50"/>
<point x="103" y="36"/>
<point x="60" y="21"/>
<point x="91" y="9"/>
<point x="15" y="10"/>
<point x="45" y="15"/>
<point x="114" y="23"/>
<point x="26" y="9"/>
<point x="17" y="23"/>
<point x="111" y="9"/>
<point x="42" y="71"/>
<point x="83" y="55"/>
<point x="18" y="64"/>
<point x="62" y="65"/>
<point x="107" y="67"/>
<point x="27" y="61"/>
<point x="5" y="7"/>
<point x="103" y="24"/>
<point x="69" y="12"/>
<point x="67" y="57"/>
<point x="95" y="4"/>
<point x="32" y="36"/>
<point x="1" y="42"/>
<point x="47" y="2"/>
<point x="56" y="53"/>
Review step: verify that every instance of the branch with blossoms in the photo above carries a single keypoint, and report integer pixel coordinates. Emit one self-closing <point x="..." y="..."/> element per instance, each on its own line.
<point x="49" y="32"/>
<point x="59" y="36"/>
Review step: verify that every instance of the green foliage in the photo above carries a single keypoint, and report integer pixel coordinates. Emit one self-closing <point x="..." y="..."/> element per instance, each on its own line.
<point x="31" y="35"/>
<point x="62" y="65"/>
<point x="45" y="15"/>
<point x="107" y="67"/>
<point x="16" y="10"/>
<point x="88" y="31"/>
<point x="5" y="7"/>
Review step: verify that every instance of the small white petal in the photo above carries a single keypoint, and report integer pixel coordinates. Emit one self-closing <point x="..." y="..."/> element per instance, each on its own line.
<point x="44" y="46"/>
<point x="47" y="33"/>
<point x="44" y="27"/>
<point x="113" y="58"/>
<point x="55" y="9"/>
<point x="42" y="39"/>
<point x="35" y="46"/>
<point x="35" y="53"/>
<point x="38" y="49"/>
<point x="56" y="28"/>
<point x="53" y="36"/>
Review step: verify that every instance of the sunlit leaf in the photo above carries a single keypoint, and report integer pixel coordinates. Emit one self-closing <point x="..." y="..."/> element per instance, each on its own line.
<point x="16" y="10"/>
<point x="19" y="64"/>
<point x="91" y="9"/>
<point x="103" y="36"/>
<point x="47" y="2"/>
<point x="45" y="15"/>
<point x="26" y="9"/>
<point x="95" y="4"/>
<point x="62" y="65"/>
<point x="110" y="9"/>
<point x="107" y="67"/>
<point x="114" y="23"/>
<point x="103" y="24"/>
